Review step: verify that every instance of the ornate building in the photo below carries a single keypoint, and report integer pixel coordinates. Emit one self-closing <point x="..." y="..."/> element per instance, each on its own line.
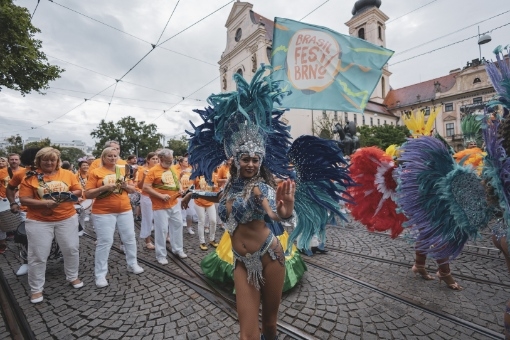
<point x="249" y="43"/>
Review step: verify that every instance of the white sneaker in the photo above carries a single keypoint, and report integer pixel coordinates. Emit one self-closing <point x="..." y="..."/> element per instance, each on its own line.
<point x="23" y="270"/>
<point x="163" y="261"/>
<point x="191" y="231"/>
<point x="80" y="233"/>
<point x="86" y="219"/>
<point x="181" y="255"/>
<point x="101" y="282"/>
<point x="206" y="230"/>
<point x="136" y="269"/>
<point x="122" y="249"/>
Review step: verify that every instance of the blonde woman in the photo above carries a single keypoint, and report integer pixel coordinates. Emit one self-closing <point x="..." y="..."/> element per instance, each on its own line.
<point x="109" y="186"/>
<point x="48" y="218"/>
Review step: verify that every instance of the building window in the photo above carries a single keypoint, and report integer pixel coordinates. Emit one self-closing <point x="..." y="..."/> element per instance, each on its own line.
<point x="324" y="114"/>
<point x="336" y="115"/>
<point x="240" y="71"/>
<point x="448" y="107"/>
<point x="378" y="122"/>
<point x="379" y="29"/>
<point x="269" y="51"/>
<point x="477" y="80"/>
<point x="477" y="100"/>
<point x="371" y="121"/>
<point x="385" y="122"/>
<point x="391" y="123"/>
<point x="239" y="34"/>
<point x="450" y="130"/>
<point x="361" y="33"/>
<point x="427" y="111"/>
<point x="363" y="118"/>
<point x="355" y="116"/>
<point x="346" y="117"/>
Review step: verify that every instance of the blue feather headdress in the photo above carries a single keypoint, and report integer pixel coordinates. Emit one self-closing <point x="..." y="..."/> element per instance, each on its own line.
<point x="242" y="121"/>
<point x="440" y="198"/>
<point x="499" y="73"/>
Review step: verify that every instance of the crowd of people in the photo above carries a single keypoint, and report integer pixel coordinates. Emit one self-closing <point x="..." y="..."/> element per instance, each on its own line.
<point x="108" y="193"/>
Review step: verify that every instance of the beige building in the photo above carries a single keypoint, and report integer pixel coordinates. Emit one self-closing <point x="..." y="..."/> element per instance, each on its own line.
<point x="249" y="43"/>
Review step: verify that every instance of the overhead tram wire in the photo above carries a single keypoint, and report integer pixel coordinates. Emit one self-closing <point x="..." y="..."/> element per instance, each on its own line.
<point x="446" y="35"/>
<point x="111" y="98"/>
<point x="316" y="8"/>
<point x="129" y="34"/>
<point x="164" y="29"/>
<point x="35" y="9"/>
<point x="443" y="47"/>
<point x="414" y="10"/>
<point x="124" y="81"/>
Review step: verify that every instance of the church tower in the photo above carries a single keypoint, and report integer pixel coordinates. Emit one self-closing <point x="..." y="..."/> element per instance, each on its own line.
<point x="369" y="22"/>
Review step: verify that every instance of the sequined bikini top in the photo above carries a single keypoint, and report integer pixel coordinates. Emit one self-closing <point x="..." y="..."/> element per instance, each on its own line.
<point x="245" y="210"/>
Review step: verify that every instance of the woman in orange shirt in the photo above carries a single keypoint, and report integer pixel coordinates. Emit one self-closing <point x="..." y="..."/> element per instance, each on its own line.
<point x="47" y="218"/>
<point x="82" y="175"/>
<point x="145" y="201"/>
<point x="4" y="180"/>
<point x="202" y="207"/>
<point x="112" y="207"/>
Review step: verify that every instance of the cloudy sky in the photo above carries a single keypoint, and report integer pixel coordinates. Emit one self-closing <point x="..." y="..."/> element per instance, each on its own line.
<point x="186" y="66"/>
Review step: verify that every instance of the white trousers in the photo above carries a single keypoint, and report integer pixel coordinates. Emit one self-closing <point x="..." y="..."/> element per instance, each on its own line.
<point x="40" y="236"/>
<point x="218" y="219"/>
<point x="211" y="213"/>
<point x="168" y="221"/>
<point x="146" y="225"/>
<point x="187" y="213"/>
<point x="3" y="235"/>
<point x="105" y="228"/>
<point x="83" y="215"/>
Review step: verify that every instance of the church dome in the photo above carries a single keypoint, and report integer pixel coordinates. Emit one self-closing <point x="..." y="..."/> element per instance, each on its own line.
<point x="362" y="5"/>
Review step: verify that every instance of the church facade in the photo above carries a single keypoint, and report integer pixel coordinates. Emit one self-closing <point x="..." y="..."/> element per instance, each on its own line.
<point x="249" y="43"/>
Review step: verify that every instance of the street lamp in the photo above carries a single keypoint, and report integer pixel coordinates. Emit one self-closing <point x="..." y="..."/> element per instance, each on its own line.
<point x="482" y="39"/>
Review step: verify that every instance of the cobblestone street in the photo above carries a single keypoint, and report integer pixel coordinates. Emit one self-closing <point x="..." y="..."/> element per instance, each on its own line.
<point x="360" y="289"/>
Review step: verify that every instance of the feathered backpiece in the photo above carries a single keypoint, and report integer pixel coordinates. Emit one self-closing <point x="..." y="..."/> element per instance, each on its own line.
<point x="321" y="181"/>
<point x="393" y="151"/>
<point x="499" y="73"/>
<point x="442" y="200"/>
<point x="471" y="127"/>
<point x="496" y="170"/>
<point x="418" y="125"/>
<point x="242" y="121"/>
<point x="374" y="195"/>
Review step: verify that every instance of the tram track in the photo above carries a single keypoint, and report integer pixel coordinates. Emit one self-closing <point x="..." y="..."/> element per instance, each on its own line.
<point x="490" y="334"/>
<point x="405" y="264"/>
<point x="14" y="317"/>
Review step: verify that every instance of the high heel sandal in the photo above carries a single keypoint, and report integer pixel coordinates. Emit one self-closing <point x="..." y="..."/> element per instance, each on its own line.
<point x="442" y="277"/>
<point x="420" y="270"/>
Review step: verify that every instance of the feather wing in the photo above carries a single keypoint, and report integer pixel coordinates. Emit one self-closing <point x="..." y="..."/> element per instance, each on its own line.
<point x="440" y="198"/>
<point x="321" y="181"/>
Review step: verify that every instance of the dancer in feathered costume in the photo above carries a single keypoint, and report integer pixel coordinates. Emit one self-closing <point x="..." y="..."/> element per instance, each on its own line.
<point x="442" y="202"/>
<point x="243" y="125"/>
<point x="472" y="133"/>
<point x="496" y="170"/>
<point x="374" y="196"/>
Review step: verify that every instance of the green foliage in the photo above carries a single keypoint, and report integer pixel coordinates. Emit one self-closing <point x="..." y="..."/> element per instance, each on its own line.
<point x="41" y="144"/>
<point x="71" y="154"/>
<point x="16" y="144"/>
<point x="179" y="146"/>
<point x="136" y="138"/>
<point x="382" y="136"/>
<point x="324" y="126"/>
<point x="23" y="66"/>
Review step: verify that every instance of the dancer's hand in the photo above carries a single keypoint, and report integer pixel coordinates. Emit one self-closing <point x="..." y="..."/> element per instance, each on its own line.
<point x="285" y="198"/>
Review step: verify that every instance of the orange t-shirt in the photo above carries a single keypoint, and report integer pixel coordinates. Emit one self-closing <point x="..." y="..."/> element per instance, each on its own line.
<point x="223" y="173"/>
<point x="139" y="176"/>
<point x="97" y="164"/>
<point x="117" y="202"/>
<point x="201" y="184"/>
<point x="184" y="180"/>
<point x="164" y="181"/>
<point x="5" y="178"/>
<point x="62" y="181"/>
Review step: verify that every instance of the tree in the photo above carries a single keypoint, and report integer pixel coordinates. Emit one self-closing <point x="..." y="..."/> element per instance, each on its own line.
<point x="15" y="144"/>
<point x="134" y="137"/>
<point x="41" y="144"/>
<point x="324" y="127"/>
<point x="71" y="154"/>
<point x="179" y="146"/>
<point x="23" y="66"/>
<point x="383" y="135"/>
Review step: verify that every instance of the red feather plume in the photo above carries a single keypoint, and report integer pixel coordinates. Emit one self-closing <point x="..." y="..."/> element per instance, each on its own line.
<point x="374" y="205"/>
